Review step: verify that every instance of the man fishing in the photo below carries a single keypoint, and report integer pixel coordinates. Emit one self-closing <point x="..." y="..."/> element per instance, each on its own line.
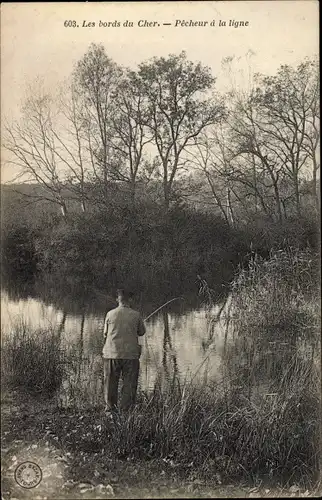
<point x="121" y="352"/>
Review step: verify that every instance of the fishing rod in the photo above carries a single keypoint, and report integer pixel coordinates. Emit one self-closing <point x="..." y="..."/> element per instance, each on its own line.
<point x="161" y="307"/>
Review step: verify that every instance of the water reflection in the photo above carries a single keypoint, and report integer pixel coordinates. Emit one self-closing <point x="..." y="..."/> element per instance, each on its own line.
<point x="61" y="324"/>
<point x="169" y="359"/>
<point x="71" y="295"/>
<point x="173" y="346"/>
<point x="187" y="339"/>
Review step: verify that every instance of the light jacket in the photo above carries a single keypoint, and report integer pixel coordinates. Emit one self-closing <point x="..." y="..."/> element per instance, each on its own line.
<point x="122" y="327"/>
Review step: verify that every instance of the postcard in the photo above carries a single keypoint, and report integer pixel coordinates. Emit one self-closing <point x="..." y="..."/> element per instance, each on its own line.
<point x="160" y="295"/>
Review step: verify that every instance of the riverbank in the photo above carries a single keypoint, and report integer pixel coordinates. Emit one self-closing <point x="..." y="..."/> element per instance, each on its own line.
<point x="259" y="426"/>
<point x="211" y="430"/>
<point x="38" y="433"/>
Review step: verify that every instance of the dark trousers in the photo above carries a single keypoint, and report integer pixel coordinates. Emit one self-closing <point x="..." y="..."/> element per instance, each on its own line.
<point x="128" y="370"/>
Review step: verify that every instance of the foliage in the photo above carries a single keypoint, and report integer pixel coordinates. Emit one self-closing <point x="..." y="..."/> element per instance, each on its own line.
<point x="161" y="131"/>
<point x="263" y="159"/>
<point x="32" y="362"/>
<point x="140" y="246"/>
<point x="18" y="254"/>
<point x="174" y="89"/>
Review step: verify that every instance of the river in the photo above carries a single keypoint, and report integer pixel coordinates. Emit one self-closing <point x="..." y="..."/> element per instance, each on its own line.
<point x="180" y="341"/>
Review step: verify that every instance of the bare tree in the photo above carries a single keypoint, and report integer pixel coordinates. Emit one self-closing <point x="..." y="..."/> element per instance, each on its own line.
<point x="235" y="185"/>
<point x="32" y="145"/>
<point x="252" y="153"/>
<point x="74" y="140"/>
<point x="96" y="78"/>
<point x="204" y="157"/>
<point x="287" y="108"/>
<point x="258" y="159"/>
<point x="130" y="134"/>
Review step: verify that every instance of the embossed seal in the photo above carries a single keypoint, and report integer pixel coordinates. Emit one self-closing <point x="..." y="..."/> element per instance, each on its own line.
<point x="28" y="475"/>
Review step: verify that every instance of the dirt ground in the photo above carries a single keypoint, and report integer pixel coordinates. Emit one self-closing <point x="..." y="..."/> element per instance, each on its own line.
<point x="67" y="475"/>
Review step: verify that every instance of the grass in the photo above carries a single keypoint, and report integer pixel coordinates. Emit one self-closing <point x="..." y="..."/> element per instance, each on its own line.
<point x="267" y="426"/>
<point x="32" y="362"/>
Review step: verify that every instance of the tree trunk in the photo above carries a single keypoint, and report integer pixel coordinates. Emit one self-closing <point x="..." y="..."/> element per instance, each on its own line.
<point x="132" y="193"/>
<point x="62" y="325"/>
<point x="315" y="185"/>
<point x="63" y="209"/>
<point x="230" y="214"/>
<point x="166" y="199"/>
<point x="277" y="200"/>
<point x="217" y="199"/>
<point x="255" y="183"/>
<point x="297" y="194"/>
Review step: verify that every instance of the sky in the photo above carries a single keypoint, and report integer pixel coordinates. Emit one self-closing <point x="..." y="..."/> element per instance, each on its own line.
<point x="35" y="42"/>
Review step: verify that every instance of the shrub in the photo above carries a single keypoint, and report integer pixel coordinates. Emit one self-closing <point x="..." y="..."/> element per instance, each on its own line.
<point x="18" y="251"/>
<point x="32" y="362"/>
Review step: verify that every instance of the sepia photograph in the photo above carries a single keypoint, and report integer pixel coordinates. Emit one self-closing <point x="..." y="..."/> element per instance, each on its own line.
<point x="160" y="250"/>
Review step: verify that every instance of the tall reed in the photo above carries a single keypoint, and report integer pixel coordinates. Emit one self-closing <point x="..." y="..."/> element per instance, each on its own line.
<point x="262" y="420"/>
<point x="32" y="361"/>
